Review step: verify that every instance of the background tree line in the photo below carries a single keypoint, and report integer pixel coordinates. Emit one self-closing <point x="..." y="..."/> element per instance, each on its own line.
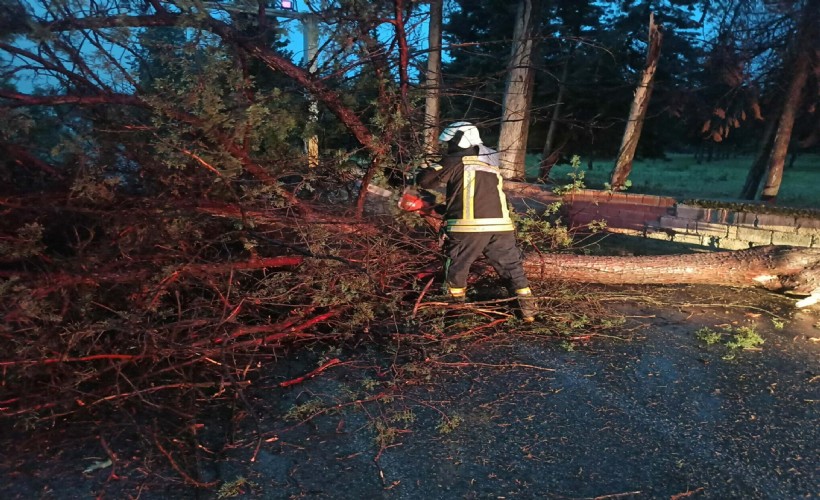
<point x="730" y="75"/>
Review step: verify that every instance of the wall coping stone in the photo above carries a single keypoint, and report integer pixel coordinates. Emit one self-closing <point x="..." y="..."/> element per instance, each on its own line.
<point x="747" y="223"/>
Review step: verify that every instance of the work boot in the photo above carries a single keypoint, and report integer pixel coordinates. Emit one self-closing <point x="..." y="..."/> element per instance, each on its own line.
<point x="457" y="295"/>
<point x="527" y="305"/>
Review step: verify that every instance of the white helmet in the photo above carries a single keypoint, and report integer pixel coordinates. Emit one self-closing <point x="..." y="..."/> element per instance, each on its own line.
<point x="469" y="138"/>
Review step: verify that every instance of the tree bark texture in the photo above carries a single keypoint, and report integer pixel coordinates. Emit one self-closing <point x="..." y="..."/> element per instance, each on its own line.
<point x="780" y="147"/>
<point x="404" y="53"/>
<point x="512" y="142"/>
<point x="758" y="168"/>
<point x="433" y="79"/>
<point x="629" y="143"/>
<point x="311" y="41"/>
<point x="778" y="268"/>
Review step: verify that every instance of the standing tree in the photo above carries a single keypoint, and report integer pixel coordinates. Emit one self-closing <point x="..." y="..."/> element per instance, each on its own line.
<point x="629" y="143"/>
<point x="805" y="50"/>
<point x="764" y="58"/>
<point x="515" y="119"/>
<point x="433" y="78"/>
<point x="551" y="154"/>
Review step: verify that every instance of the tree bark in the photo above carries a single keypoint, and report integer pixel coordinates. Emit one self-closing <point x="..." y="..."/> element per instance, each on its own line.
<point x="433" y="79"/>
<point x="780" y="147"/>
<point x="755" y="174"/>
<point x="404" y="53"/>
<point x="629" y="143"/>
<point x="548" y="162"/>
<point x="512" y="142"/>
<point x="777" y="268"/>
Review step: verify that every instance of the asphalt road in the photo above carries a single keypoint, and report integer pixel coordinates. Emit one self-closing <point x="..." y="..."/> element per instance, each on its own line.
<point x="653" y="412"/>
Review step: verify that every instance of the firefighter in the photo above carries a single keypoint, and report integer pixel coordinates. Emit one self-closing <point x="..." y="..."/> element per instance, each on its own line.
<point x="477" y="219"/>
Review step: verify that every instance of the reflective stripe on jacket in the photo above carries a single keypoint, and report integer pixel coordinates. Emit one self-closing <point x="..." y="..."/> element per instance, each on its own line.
<point x="475" y="196"/>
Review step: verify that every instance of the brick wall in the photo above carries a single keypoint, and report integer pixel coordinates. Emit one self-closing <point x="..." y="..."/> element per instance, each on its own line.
<point x="662" y="217"/>
<point x="627" y="212"/>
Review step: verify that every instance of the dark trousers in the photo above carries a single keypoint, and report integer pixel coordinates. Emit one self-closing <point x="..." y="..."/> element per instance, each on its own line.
<point x="463" y="249"/>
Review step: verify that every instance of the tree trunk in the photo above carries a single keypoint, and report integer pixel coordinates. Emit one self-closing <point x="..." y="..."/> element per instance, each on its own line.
<point x="546" y="163"/>
<point x="311" y="41"/>
<point x="805" y="42"/>
<point x="512" y="142"/>
<point x="404" y="54"/>
<point x="780" y="147"/>
<point x="792" y="159"/>
<point x="433" y="79"/>
<point x="640" y="103"/>
<point x="755" y="174"/>
<point x="777" y="268"/>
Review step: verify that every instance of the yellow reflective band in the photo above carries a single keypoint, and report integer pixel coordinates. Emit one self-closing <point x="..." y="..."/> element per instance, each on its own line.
<point x="487" y="225"/>
<point x="483" y="221"/>
<point x="505" y="211"/>
<point x="458" y="292"/>
<point x="468" y="195"/>
<point x="481" y="229"/>
<point x="523" y="291"/>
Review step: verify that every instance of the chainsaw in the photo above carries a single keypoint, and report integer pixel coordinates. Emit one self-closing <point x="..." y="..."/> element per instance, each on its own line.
<point x="411" y="200"/>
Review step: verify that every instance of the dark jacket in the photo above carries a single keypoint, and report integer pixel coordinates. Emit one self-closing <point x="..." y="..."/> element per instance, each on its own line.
<point x="475" y="196"/>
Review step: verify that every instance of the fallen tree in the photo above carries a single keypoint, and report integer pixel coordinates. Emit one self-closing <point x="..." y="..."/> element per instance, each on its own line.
<point x="778" y="268"/>
<point x="165" y="310"/>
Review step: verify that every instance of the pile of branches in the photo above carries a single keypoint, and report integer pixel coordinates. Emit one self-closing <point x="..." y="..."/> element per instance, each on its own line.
<point x="156" y="307"/>
<point x="151" y="313"/>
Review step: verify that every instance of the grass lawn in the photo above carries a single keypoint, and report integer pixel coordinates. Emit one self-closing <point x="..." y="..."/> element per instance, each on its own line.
<point x="681" y="177"/>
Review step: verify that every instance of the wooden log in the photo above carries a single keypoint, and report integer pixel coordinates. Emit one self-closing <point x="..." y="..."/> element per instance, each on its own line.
<point x="794" y="270"/>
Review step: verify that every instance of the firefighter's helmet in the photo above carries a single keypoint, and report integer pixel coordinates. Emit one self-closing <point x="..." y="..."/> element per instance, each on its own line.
<point x="469" y="134"/>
